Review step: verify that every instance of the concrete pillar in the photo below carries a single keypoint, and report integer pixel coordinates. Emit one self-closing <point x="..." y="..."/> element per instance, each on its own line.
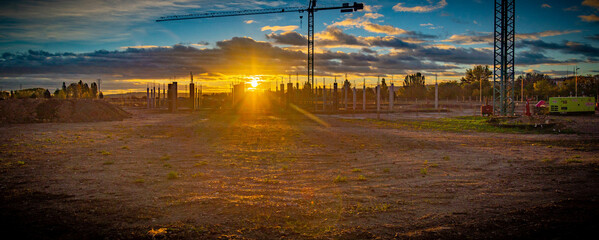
<point x="282" y="93"/>
<point x="391" y="97"/>
<point x="172" y="97"/>
<point x="289" y="93"/>
<point x="345" y="96"/>
<point x="436" y="95"/>
<point x="324" y="97"/>
<point x="354" y="95"/>
<point x="335" y="98"/>
<point x="192" y="96"/>
<point x="364" y="97"/>
<point x="148" y="97"/>
<point x="378" y="101"/>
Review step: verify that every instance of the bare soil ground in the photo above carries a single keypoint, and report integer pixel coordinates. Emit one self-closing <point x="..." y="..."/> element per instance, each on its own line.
<point x="207" y="175"/>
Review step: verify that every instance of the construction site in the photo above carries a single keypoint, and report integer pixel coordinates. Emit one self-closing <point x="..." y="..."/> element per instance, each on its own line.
<point x="324" y="157"/>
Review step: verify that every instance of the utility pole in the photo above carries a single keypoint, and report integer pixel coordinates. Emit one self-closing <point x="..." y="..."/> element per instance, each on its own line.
<point x="576" y="80"/>
<point x="436" y="93"/>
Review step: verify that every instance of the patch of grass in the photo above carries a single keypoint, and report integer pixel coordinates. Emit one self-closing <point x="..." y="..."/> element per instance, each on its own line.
<point x="109" y="162"/>
<point x="424" y="171"/>
<point x="125" y="147"/>
<point x="20" y="163"/>
<point x="434" y="165"/>
<point x="139" y="180"/>
<point x="361" y="178"/>
<point x="356" y="170"/>
<point x="546" y="160"/>
<point x="285" y="167"/>
<point x="196" y="175"/>
<point x="104" y="152"/>
<point x="446" y="158"/>
<point x="201" y="163"/>
<point x="573" y="160"/>
<point x="269" y="181"/>
<point x="386" y="170"/>
<point x="340" y="179"/>
<point x="166" y="165"/>
<point x="198" y="155"/>
<point x="455" y="124"/>
<point x="165" y="157"/>
<point x="172" y="175"/>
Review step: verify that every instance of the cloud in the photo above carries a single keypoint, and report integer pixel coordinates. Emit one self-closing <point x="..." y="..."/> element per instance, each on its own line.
<point x="280" y="28"/>
<point x="487" y="38"/>
<point x="420" y="9"/>
<point x="365" y="23"/>
<point x="589" y="18"/>
<point x="591" y="3"/>
<point x="143" y="46"/>
<point x="567" y="47"/>
<point x="572" y="9"/>
<point x="288" y="38"/>
<point x="545" y="5"/>
<point x="593" y="37"/>
<point x="249" y="21"/>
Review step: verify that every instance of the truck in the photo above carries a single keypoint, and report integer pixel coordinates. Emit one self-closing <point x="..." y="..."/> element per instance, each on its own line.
<point x="565" y="105"/>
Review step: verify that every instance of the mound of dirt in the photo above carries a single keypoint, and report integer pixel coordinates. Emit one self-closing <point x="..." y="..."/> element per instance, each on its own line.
<point x="59" y="110"/>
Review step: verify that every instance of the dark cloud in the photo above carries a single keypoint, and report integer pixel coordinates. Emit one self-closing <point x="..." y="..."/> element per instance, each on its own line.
<point x="593" y="37"/>
<point x="564" y="47"/>
<point x="289" y="38"/>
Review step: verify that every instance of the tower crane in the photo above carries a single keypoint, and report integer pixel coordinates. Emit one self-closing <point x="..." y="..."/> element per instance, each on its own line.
<point x="311" y="9"/>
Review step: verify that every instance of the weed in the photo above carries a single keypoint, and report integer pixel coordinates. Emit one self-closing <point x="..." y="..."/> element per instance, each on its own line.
<point x="546" y="160"/>
<point x="109" y="162"/>
<point x="434" y="165"/>
<point x="165" y="157"/>
<point x="172" y="175"/>
<point x="284" y="167"/>
<point x="166" y="165"/>
<point x="361" y="178"/>
<point x="573" y="160"/>
<point x="340" y="179"/>
<point x="386" y="170"/>
<point x="197" y="156"/>
<point x="195" y="175"/>
<point x="201" y="163"/>
<point x="424" y="171"/>
<point x="446" y="158"/>
<point x="269" y="181"/>
<point x="20" y="163"/>
<point x="139" y="180"/>
<point x="125" y="147"/>
<point x="104" y="152"/>
<point x="356" y="170"/>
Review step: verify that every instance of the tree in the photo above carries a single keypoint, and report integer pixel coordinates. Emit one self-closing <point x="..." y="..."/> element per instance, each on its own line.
<point x="101" y="96"/>
<point x="414" y="86"/>
<point x="544" y="89"/>
<point x="94" y="90"/>
<point x="47" y="94"/>
<point x="478" y="73"/>
<point x="384" y="90"/>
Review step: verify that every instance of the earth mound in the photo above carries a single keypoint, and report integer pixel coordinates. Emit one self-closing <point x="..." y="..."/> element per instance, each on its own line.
<point x="59" y="110"/>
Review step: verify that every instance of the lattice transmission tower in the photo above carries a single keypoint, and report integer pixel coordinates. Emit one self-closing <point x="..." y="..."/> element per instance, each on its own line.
<point x="503" y="70"/>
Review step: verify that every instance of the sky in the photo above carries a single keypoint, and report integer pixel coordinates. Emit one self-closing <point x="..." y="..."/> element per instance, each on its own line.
<point x="45" y="43"/>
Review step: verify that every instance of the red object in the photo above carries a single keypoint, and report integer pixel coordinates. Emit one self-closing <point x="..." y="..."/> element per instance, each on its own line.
<point x="527" y="112"/>
<point x="540" y="104"/>
<point x="486" y="110"/>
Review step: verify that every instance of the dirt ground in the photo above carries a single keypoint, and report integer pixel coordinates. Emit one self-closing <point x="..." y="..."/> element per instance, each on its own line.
<point x="206" y="176"/>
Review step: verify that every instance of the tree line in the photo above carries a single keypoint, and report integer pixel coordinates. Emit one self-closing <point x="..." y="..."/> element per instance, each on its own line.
<point x="477" y="82"/>
<point x="72" y="91"/>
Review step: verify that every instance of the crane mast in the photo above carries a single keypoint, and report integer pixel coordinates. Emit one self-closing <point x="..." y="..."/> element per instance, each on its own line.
<point x="311" y="9"/>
